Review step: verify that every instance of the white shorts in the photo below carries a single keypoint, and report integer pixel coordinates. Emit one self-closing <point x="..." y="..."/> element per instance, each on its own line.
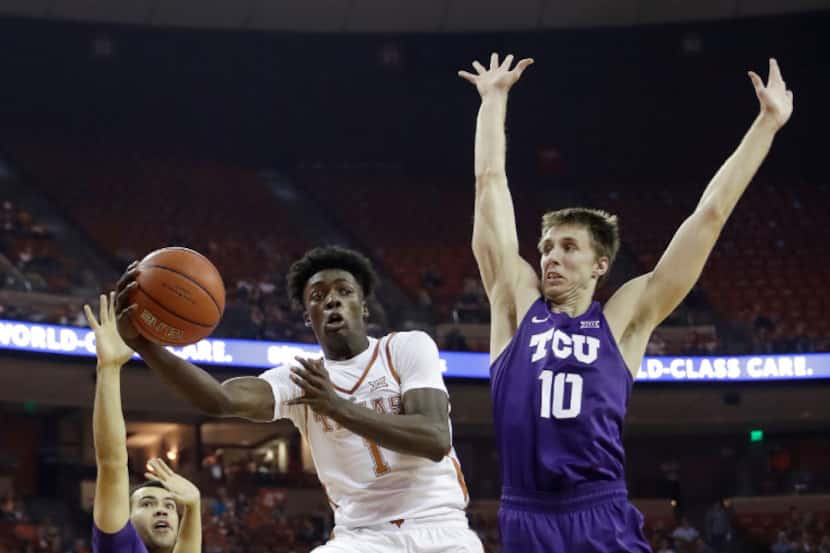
<point x="408" y="538"/>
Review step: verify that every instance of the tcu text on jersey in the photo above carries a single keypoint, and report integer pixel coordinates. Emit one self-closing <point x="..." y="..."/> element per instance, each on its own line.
<point x="583" y="348"/>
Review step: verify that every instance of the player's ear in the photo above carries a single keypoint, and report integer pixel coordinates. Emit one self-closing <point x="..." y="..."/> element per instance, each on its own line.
<point x="306" y="318"/>
<point x="600" y="266"/>
<point x="365" y="311"/>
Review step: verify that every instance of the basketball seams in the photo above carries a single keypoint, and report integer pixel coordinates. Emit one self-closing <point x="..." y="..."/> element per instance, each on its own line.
<point x="219" y="310"/>
<point x="162" y="306"/>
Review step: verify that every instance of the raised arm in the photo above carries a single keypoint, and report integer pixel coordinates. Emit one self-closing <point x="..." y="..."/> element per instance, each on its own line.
<point x="245" y="397"/>
<point x="510" y="282"/>
<point x="648" y="300"/>
<point x="112" y="485"/>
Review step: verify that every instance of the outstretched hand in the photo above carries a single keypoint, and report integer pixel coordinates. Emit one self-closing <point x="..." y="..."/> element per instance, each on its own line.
<point x="109" y="347"/>
<point x="183" y="490"/>
<point x="499" y="78"/>
<point x="776" y="101"/>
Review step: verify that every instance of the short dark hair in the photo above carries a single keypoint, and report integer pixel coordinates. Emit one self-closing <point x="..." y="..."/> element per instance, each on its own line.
<point x="329" y="257"/>
<point x="146" y="484"/>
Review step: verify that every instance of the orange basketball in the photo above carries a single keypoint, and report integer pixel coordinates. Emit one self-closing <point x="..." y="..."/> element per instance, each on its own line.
<point x="180" y="297"/>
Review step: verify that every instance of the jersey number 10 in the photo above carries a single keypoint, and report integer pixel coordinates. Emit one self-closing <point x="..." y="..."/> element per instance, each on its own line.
<point x="559" y="384"/>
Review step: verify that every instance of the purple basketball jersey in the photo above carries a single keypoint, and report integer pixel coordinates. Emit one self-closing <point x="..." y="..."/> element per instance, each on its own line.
<point x="125" y="540"/>
<point x="560" y="392"/>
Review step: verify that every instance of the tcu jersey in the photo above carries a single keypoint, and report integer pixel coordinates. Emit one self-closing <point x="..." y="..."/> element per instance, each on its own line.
<point x="560" y="392"/>
<point x="367" y="484"/>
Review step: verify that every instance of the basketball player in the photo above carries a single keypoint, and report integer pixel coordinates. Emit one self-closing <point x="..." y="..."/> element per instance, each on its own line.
<point x="146" y="521"/>
<point x="562" y="365"/>
<point x="375" y="412"/>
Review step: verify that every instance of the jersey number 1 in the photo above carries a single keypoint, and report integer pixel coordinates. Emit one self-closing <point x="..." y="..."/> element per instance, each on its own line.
<point x="380" y="465"/>
<point x="558" y="384"/>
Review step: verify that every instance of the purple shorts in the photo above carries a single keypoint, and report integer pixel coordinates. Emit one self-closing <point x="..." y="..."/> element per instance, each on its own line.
<point x="595" y="518"/>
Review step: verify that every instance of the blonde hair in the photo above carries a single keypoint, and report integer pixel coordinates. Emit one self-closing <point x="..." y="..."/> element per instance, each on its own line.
<point x="602" y="227"/>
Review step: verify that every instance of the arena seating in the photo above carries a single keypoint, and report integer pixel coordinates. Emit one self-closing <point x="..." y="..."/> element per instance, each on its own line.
<point x="156" y="200"/>
<point x="769" y="255"/>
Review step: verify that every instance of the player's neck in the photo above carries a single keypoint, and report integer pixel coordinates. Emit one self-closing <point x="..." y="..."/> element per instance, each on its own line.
<point x="345" y="347"/>
<point x="572" y="305"/>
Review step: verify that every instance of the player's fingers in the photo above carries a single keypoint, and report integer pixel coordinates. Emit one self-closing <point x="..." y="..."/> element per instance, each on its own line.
<point x="507" y="62"/>
<point x="523" y="64"/>
<point x="299" y="401"/>
<point x="163" y="468"/>
<point x="126" y="278"/>
<point x="123" y="297"/>
<point x="111" y="306"/>
<point x="308" y="377"/>
<point x="467" y="76"/>
<point x="756" y="80"/>
<point x="478" y="67"/>
<point x="90" y="317"/>
<point x="494" y="61"/>
<point x="303" y="384"/>
<point x="102" y="308"/>
<point x="127" y="312"/>
<point x="153" y="470"/>
<point x="775" y="71"/>
<point x="308" y="364"/>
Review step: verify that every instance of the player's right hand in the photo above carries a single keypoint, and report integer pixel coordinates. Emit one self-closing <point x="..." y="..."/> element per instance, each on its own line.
<point x="498" y="78"/>
<point x="124" y="310"/>
<point x="183" y="490"/>
<point x="110" y="348"/>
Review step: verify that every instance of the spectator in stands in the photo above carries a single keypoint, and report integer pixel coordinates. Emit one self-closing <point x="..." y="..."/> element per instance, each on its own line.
<point x="79" y="546"/>
<point x="718" y="527"/>
<point x="454" y="340"/>
<point x="685" y="532"/>
<point x="701" y="546"/>
<point x="800" y="342"/>
<point x="782" y="544"/>
<point x="472" y="306"/>
<point x="665" y="546"/>
<point x="11" y="510"/>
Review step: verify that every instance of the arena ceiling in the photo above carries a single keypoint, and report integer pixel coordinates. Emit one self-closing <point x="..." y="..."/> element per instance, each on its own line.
<point x="399" y="15"/>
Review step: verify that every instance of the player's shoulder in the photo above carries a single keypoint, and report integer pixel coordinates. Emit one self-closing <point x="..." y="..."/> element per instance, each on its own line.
<point x="408" y="340"/>
<point x="279" y="373"/>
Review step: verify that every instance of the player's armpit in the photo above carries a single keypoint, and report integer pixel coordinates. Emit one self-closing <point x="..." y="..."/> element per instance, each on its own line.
<point x="433" y="405"/>
<point x="630" y="331"/>
<point x="250" y="398"/>
<point x="509" y="303"/>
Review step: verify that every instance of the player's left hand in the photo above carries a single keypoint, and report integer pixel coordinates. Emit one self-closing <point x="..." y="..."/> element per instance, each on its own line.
<point x="183" y="490"/>
<point x="776" y="101"/>
<point x="111" y="350"/>
<point x="318" y="390"/>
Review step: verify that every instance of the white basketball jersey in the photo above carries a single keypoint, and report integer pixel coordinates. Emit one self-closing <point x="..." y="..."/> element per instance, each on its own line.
<point x="368" y="484"/>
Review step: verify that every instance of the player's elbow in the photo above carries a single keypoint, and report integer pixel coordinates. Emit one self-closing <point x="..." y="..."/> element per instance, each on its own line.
<point x="440" y="443"/>
<point x="712" y="216"/>
<point x="487" y="176"/>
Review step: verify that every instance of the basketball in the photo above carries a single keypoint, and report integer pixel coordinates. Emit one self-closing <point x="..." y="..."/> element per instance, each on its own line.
<point x="180" y="297"/>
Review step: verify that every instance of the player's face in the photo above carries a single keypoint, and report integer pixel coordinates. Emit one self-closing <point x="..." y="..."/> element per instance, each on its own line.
<point x="335" y="306"/>
<point x="155" y="517"/>
<point x="569" y="262"/>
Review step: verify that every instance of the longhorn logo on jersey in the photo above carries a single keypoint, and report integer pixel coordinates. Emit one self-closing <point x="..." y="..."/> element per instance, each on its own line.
<point x="564" y="346"/>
